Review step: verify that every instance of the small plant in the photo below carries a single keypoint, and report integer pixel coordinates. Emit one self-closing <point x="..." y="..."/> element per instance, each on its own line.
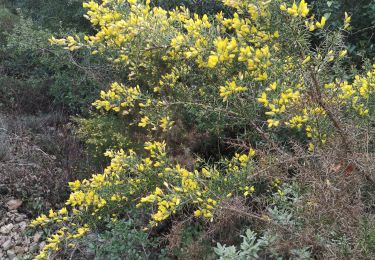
<point x="121" y="240"/>
<point x="249" y="248"/>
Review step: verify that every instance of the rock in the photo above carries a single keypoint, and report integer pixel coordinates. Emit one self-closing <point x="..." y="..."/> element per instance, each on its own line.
<point x="15" y="237"/>
<point x="6" y="229"/>
<point x="41" y="245"/>
<point x="11" y="254"/>
<point x="19" y="250"/>
<point x="14" y="204"/>
<point x="22" y="225"/>
<point x="3" y="239"/>
<point x="7" y="244"/>
<point x="20" y="218"/>
<point x="37" y="237"/>
<point x="26" y="241"/>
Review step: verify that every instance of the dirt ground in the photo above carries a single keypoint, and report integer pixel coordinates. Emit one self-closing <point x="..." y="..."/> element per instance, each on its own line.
<point x="38" y="156"/>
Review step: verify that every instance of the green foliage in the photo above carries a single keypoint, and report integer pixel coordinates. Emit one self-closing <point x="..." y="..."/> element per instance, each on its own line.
<point x="361" y="41"/>
<point x="196" y="6"/>
<point x="38" y="76"/>
<point x="52" y="14"/>
<point x="367" y="239"/>
<point x="249" y="248"/>
<point x="121" y="240"/>
<point x="7" y="21"/>
<point x="103" y="132"/>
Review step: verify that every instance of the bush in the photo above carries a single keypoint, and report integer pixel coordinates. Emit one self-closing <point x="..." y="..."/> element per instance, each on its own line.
<point x="360" y="42"/>
<point x="120" y="240"/>
<point x="103" y="132"/>
<point x="7" y="21"/>
<point x="37" y="76"/>
<point x="52" y="14"/>
<point x="254" y="78"/>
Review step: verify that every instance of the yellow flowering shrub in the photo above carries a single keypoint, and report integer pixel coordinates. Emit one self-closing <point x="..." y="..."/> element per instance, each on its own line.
<point x="253" y="69"/>
<point x="215" y="64"/>
<point x="134" y="181"/>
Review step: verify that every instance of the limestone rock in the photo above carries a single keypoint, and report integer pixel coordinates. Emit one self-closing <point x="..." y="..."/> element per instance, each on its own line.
<point x="14" y="204"/>
<point x="7" y="244"/>
<point x="6" y="229"/>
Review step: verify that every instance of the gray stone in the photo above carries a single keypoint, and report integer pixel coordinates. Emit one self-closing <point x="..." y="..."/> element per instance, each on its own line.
<point x="37" y="237"/>
<point x="6" y="229"/>
<point x="23" y="225"/>
<point x="11" y="254"/>
<point x="7" y="244"/>
<point x="20" y="217"/>
<point x="14" y="204"/>
<point x="19" y="250"/>
<point x="3" y="239"/>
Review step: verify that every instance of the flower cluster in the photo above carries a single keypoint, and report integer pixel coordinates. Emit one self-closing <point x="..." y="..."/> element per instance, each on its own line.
<point x="126" y="182"/>
<point x="119" y="98"/>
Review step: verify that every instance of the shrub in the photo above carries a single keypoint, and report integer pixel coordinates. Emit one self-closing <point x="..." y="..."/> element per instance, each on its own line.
<point x="7" y="21"/>
<point x="103" y="132"/>
<point x="37" y="76"/>
<point x="120" y="240"/>
<point x="360" y="43"/>
<point x="253" y="69"/>
<point x="51" y="14"/>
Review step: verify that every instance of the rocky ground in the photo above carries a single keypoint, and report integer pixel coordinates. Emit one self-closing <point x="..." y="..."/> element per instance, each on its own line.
<point x="38" y="156"/>
<point x="16" y="240"/>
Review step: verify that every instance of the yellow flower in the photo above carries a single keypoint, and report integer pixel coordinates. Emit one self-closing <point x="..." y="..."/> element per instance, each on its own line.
<point x="347" y="20"/>
<point x="144" y="121"/>
<point x="343" y="53"/>
<point x="212" y="61"/>
<point x="306" y="60"/>
<point x="252" y="152"/>
<point x="63" y="211"/>
<point x="302" y="9"/>
<point x="321" y="23"/>
<point x="165" y="123"/>
<point x="229" y="89"/>
<point x="293" y="10"/>
<point x="272" y="123"/>
<point x="75" y="185"/>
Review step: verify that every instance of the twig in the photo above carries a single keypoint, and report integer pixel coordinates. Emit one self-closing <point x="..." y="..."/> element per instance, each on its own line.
<point x="335" y="122"/>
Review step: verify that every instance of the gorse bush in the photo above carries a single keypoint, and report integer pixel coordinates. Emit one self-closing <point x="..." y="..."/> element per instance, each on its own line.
<point x="250" y="76"/>
<point x="103" y="132"/>
<point x="360" y="44"/>
<point x="194" y="59"/>
<point x="129" y="177"/>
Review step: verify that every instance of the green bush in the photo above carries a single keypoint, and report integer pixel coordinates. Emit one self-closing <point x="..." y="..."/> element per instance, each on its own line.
<point x="101" y="133"/>
<point x="121" y="240"/>
<point x="196" y="6"/>
<point x="7" y="21"/>
<point x="37" y="76"/>
<point x="51" y="14"/>
<point x="360" y="40"/>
